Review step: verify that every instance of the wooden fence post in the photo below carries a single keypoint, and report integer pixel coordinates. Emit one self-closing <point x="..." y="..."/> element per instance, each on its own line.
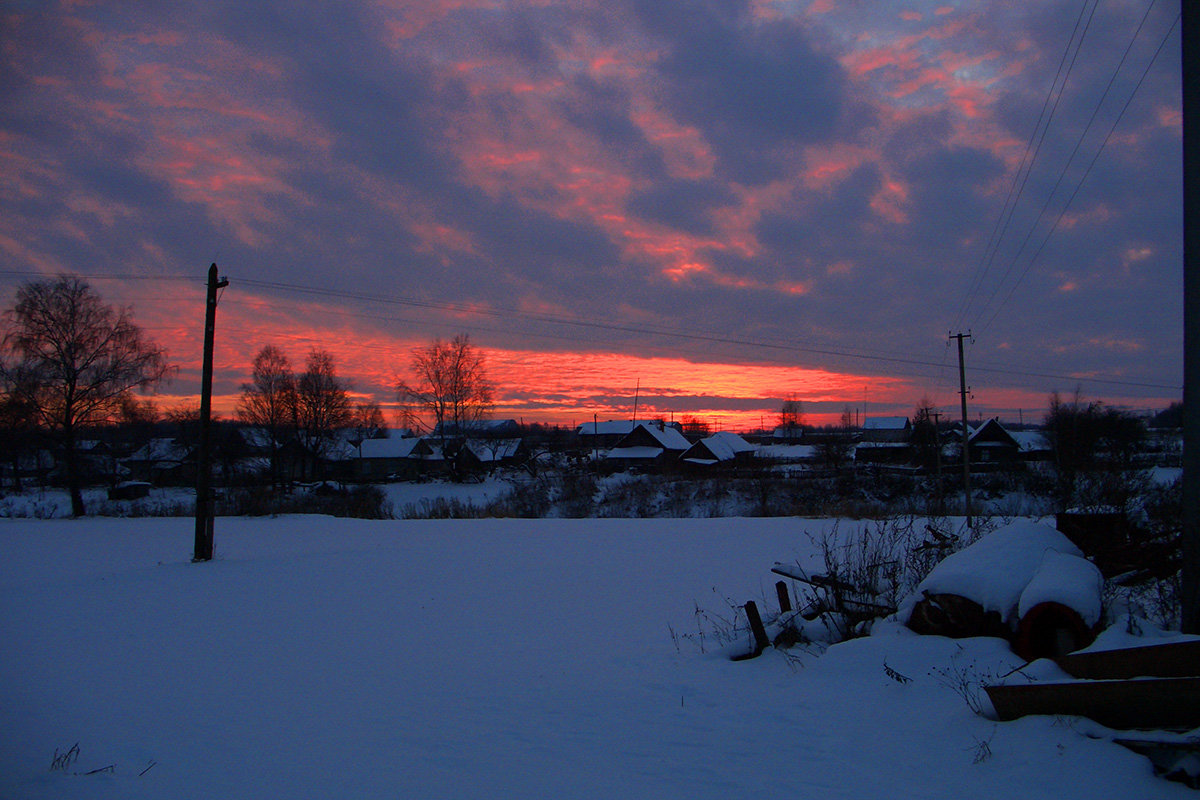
<point x="785" y="599"/>
<point x="756" y="627"/>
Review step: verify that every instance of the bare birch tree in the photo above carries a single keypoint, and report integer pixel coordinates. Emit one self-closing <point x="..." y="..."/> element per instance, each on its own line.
<point x="269" y="401"/>
<point x="449" y="383"/>
<point x="322" y="404"/>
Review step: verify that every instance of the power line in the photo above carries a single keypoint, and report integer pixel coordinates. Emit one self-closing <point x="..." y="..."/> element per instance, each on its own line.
<point x="692" y="336"/>
<point x="1087" y="171"/>
<point x="1062" y="174"/>
<point x="1021" y="177"/>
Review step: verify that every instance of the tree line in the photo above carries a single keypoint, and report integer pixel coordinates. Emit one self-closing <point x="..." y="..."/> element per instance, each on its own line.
<point x="69" y="362"/>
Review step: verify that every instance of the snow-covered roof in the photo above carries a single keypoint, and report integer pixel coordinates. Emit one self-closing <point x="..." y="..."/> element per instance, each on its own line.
<point x="161" y="449"/>
<point x="256" y="436"/>
<point x="718" y="450"/>
<point x="612" y="427"/>
<point x="885" y="423"/>
<point x="1029" y="441"/>
<point x="340" y="450"/>
<point x="388" y="448"/>
<point x="493" y="449"/>
<point x="670" y="438"/>
<point x="787" y="452"/>
<point x="735" y="442"/>
<point x="991" y="427"/>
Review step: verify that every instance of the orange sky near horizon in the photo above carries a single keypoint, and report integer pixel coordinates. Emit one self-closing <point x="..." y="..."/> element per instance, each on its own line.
<point x="559" y="387"/>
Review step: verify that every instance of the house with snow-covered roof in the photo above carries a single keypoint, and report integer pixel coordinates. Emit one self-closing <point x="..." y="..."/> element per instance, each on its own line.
<point x="886" y="429"/>
<point x="720" y="448"/>
<point x="395" y="457"/>
<point x="654" y="444"/>
<point x="484" y="455"/>
<point x="606" y="433"/>
<point x="990" y="443"/>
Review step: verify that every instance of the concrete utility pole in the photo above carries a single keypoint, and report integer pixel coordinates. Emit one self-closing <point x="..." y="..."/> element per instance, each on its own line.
<point x="1190" y="574"/>
<point x="203" y="550"/>
<point x="966" y="436"/>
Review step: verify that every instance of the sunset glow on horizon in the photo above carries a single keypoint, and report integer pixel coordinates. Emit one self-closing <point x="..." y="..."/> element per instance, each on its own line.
<point x="710" y="207"/>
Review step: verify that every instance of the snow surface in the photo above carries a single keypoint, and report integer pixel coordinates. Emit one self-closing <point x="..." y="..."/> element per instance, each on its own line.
<point x="329" y="658"/>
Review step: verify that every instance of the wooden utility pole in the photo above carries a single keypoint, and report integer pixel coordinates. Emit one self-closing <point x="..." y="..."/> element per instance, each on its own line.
<point x="203" y="550"/>
<point x="966" y="436"/>
<point x="1190" y="573"/>
<point x="937" y="455"/>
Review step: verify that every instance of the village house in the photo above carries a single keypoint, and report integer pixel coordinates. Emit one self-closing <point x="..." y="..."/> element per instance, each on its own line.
<point x="649" y="445"/>
<point x="886" y="429"/>
<point x="603" y="435"/>
<point x="990" y="444"/>
<point x="393" y="458"/>
<point x="485" y="455"/>
<point x="723" y="448"/>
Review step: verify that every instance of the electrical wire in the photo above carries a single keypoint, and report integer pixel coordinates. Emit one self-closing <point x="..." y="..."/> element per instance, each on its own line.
<point x="1062" y="174"/>
<point x="1021" y="176"/>
<point x="1087" y="171"/>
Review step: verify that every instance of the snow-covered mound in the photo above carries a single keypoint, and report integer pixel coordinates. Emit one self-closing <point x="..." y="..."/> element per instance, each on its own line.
<point x="996" y="570"/>
<point x="1066" y="579"/>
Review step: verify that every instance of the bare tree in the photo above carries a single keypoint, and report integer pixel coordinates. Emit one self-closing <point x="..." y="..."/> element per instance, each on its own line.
<point x="322" y="404"/>
<point x="186" y="419"/>
<point x="18" y="424"/>
<point x="449" y="383"/>
<point x="78" y="359"/>
<point x="269" y="401"/>
<point x="791" y="417"/>
<point x="926" y="441"/>
<point x="368" y="421"/>
<point x="837" y="444"/>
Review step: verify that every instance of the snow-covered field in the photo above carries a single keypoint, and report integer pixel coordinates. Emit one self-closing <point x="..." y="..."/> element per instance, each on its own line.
<point x="331" y="658"/>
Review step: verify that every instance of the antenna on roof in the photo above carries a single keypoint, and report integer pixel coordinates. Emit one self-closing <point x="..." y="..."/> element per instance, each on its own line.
<point x="637" y="390"/>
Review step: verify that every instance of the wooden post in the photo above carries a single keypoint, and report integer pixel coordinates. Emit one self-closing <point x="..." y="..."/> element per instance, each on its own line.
<point x="785" y="599"/>
<point x="761" y="641"/>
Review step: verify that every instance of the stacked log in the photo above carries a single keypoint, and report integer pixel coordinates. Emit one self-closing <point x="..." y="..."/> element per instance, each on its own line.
<point x="1025" y="582"/>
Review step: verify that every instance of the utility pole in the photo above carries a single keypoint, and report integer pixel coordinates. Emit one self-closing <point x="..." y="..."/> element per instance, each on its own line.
<point x="1190" y="572"/>
<point x="966" y="436"/>
<point x="203" y="550"/>
<point x="937" y="454"/>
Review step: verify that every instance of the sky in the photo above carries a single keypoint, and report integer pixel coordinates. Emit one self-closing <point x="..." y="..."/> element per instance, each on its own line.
<point x="701" y="207"/>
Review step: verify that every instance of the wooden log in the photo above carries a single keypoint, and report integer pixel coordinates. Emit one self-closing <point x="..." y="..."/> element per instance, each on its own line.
<point x="954" y="616"/>
<point x="1167" y="703"/>
<point x="1049" y="630"/>
<point x="1169" y="660"/>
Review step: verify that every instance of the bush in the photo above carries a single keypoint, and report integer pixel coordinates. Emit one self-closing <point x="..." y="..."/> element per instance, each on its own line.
<point x="360" y="502"/>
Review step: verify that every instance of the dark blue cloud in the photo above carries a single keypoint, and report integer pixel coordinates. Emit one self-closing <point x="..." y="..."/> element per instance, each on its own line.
<point x="683" y="205"/>
<point x="750" y="87"/>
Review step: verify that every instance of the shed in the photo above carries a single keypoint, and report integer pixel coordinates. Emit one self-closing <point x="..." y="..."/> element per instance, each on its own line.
<point x="886" y="429"/>
<point x="720" y="448"/>
<point x="398" y="457"/>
